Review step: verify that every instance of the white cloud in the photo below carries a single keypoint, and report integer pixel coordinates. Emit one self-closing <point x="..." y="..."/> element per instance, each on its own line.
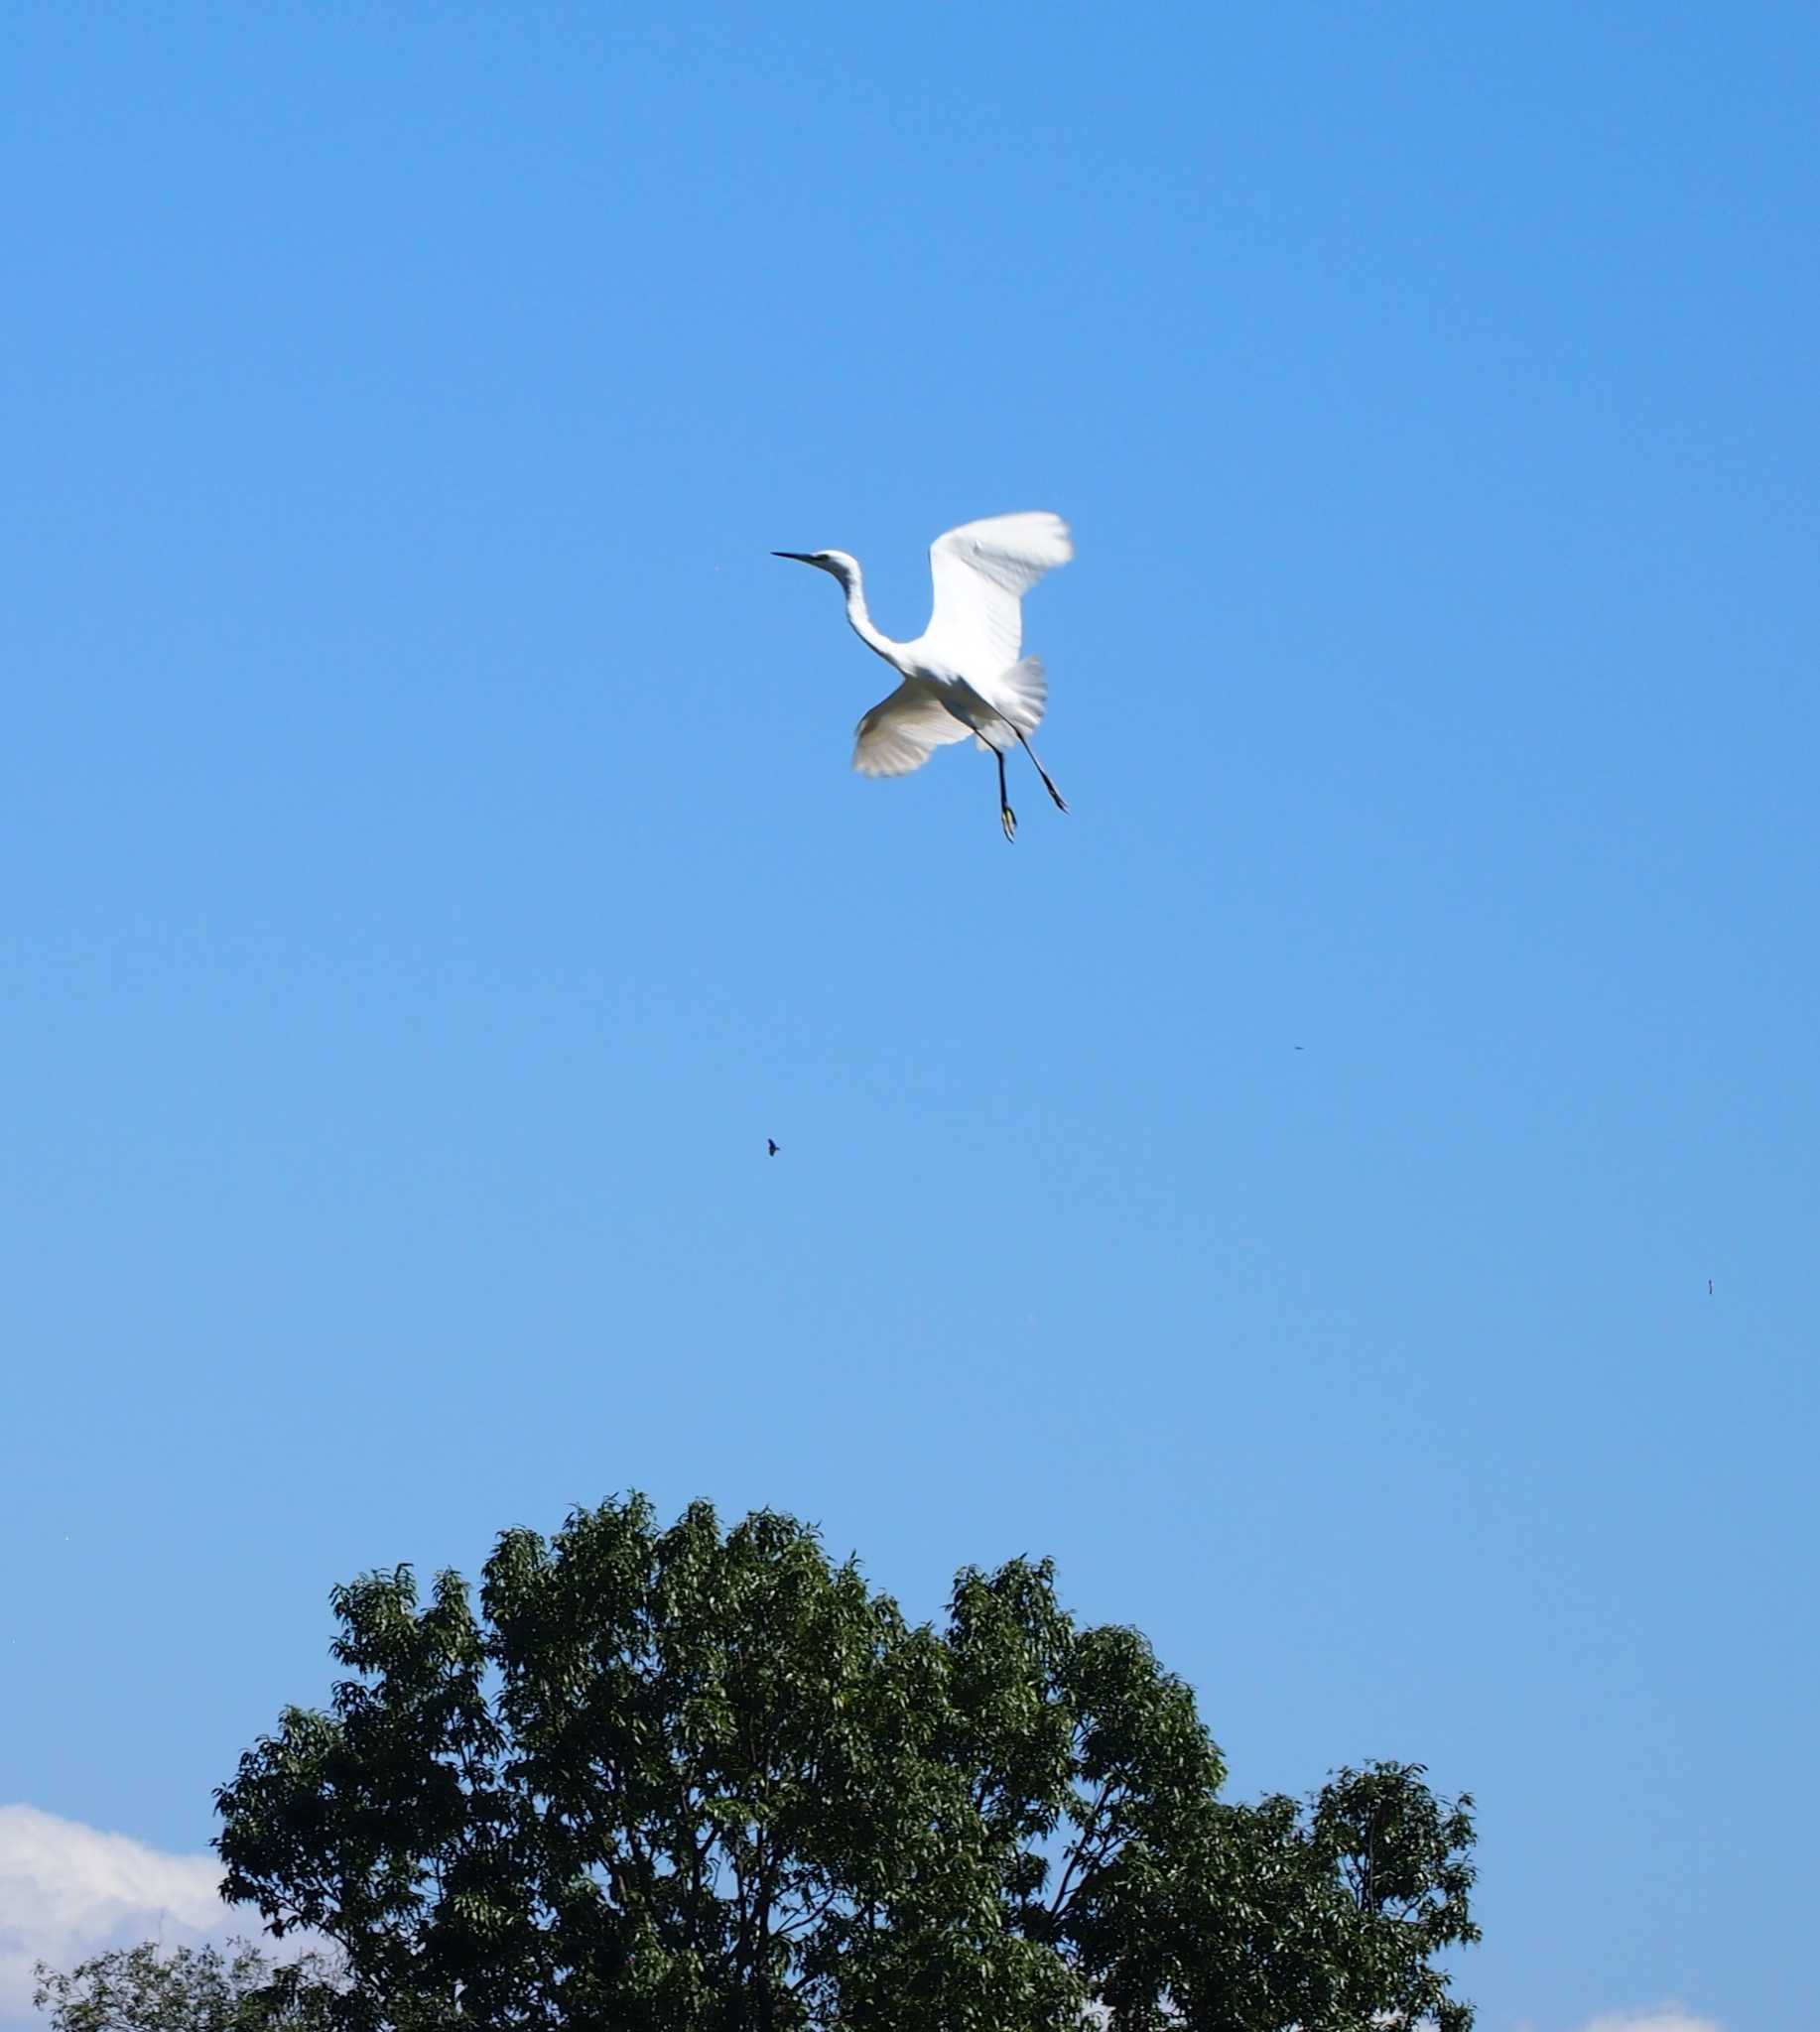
<point x="1658" y="2018"/>
<point x="67" y="1890"/>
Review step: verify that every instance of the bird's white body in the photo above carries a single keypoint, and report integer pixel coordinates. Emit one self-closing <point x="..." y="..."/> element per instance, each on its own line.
<point x="963" y="673"/>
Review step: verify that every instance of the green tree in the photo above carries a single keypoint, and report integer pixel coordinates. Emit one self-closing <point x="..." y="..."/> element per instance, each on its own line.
<point x="675" y="1780"/>
<point x="189" y="1989"/>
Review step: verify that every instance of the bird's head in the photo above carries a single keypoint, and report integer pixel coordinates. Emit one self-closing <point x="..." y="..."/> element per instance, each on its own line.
<point x="837" y="563"/>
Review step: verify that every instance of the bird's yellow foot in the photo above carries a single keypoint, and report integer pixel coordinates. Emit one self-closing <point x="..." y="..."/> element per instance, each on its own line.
<point x="1008" y="819"/>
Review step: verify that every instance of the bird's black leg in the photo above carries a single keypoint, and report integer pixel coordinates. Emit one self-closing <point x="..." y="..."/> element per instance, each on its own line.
<point x="1041" y="771"/>
<point x="1006" y="816"/>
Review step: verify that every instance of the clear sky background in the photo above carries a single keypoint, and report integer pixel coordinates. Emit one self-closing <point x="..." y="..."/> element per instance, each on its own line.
<point x="1285" y="1189"/>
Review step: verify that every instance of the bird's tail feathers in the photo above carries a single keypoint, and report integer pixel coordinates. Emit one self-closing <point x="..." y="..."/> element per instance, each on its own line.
<point x="1021" y="695"/>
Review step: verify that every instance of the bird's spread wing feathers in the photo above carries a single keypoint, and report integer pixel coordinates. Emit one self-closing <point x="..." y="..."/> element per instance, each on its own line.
<point x="981" y="571"/>
<point x="901" y="732"/>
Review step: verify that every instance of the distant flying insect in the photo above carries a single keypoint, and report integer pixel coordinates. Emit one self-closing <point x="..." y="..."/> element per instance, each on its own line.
<point x="770" y="1148"/>
<point x="963" y="675"/>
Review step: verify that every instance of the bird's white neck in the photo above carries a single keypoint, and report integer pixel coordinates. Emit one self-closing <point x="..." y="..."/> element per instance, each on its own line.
<point x="854" y="588"/>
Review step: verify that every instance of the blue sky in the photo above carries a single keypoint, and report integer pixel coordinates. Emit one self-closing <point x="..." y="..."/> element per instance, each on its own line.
<point x="1285" y="1188"/>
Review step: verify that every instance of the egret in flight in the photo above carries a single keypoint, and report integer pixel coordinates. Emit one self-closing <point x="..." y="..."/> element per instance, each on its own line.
<point x="962" y="675"/>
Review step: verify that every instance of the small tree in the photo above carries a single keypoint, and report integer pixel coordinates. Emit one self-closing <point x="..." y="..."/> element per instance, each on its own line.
<point x="189" y="1989"/>
<point x="675" y="1781"/>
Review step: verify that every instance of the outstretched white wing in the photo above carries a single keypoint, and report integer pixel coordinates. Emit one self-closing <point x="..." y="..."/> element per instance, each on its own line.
<point x="901" y="732"/>
<point x="981" y="571"/>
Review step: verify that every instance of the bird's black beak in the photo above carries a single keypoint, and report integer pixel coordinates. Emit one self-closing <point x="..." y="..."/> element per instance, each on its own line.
<point x="800" y="557"/>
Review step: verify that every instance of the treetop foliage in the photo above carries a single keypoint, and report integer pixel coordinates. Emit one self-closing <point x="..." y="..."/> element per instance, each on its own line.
<point x="686" y="1780"/>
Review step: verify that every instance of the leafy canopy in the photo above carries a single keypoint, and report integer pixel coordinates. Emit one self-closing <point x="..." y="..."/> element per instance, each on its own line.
<point x="681" y="1780"/>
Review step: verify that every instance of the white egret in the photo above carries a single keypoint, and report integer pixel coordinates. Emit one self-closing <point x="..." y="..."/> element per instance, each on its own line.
<point x="962" y="675"/>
